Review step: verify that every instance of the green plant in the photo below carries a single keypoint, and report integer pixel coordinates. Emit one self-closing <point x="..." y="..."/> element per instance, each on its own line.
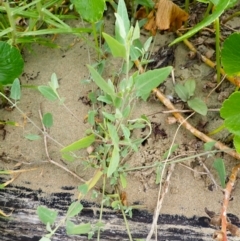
<point x="186" y="92"/>
<point x="112" y="136"/>
<point x="38" y="20"/>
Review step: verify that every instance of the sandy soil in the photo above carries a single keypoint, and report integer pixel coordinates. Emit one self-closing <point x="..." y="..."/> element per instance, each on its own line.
<point x="189" y="191"/>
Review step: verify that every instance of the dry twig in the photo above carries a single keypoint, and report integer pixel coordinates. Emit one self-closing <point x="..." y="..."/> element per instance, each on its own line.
<point x="234" y="80"/>
<point x="45" y="135"/>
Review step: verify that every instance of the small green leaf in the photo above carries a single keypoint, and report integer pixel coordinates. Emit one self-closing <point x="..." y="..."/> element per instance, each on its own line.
<point x="32" y="137"/>
<point x="82" y="228"/>
<point x="83" y="188"/>
<point x="123" y="180"/>
<point x="15" y="93"/>
<point x="114" y="161"/>
<point x="47" y="92"/>
<point x="231" y="54"/>
<point x="117" y="49"/>
<point x="45" y="239"/>
<point x="198" y="105"/>
<point x="80" y="144"/>
<point x="46" y="215"/>
<point x="91" y="117"/>
<point x="108" y="116"/>
<point x="105" y="98"/>
<point x="113" y="134"/>
<point x="74" y="209"/>
<point x="208" y="146"/>
<point x="101" y="83"/>
<point x="230" y="112"/>
<point x="54" y="82"/>
<point x="190" y="86"/>
<point x="218" y="164"/>
<point x="182" y="92"/>
<point x="48" y="120"/>
<point x="122" y="12"/>
<point x="150" y="80"/>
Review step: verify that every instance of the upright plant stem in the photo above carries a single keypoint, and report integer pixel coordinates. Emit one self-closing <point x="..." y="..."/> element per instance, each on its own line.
<point x="187" y="6"/>
<point x="217" y="40"/>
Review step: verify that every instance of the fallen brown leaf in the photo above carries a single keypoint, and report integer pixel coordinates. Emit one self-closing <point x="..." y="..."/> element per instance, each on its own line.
<point x="165" y="16"/>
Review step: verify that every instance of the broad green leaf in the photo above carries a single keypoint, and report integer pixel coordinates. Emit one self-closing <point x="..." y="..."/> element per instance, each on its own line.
<point x="198" y="105"/>
<point x="230" y="112"/>
<point x="82" y="228"/>
<point x="46" y="215"/>
<point x="218" y="164"/>
<point x="90" y="10"/>
<point x="219" y="9"/>
<point x="232" y="3"/>
<point x="48" y="120"/>
<point x="101" y="83"/>
<point x="11" y="63"/>
<point x="149" y="80"/>
<point x="114" y="161"/>
<point x="32" y="137"/>
<point x="182" y="92"/>
<point x="236" y="142"/>
<point x="231" y="54"/>
<point x="122" y="12"/>
<point x="117" y="49"/>
<point x="15" y="90"/>
<point x="190" y="86"/>
<point x="47" y="92"/>
<point x="74" y="209"/>
<point x="80" y="144"/>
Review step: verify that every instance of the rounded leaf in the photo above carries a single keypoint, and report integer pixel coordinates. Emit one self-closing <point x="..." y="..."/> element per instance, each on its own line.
<point x="230" y="111"/>
<point x="11" y="63"/>
<point x="198" y="105"/>
<point x="90" y="10"/>
<point x="231" y="54"/>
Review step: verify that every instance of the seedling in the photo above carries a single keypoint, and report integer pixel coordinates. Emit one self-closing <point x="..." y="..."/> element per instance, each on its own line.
<point x="186" y="92"/>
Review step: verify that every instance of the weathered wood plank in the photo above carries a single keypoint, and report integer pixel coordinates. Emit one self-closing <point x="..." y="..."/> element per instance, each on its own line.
<point x="24" y="224"/>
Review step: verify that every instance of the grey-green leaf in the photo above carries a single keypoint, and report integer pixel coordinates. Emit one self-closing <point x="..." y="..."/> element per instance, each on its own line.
<point x="149" y="80"/>
<point x="182" y="92"/>
<point x="15" y="90"/>
<point x="198" y="105"/>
